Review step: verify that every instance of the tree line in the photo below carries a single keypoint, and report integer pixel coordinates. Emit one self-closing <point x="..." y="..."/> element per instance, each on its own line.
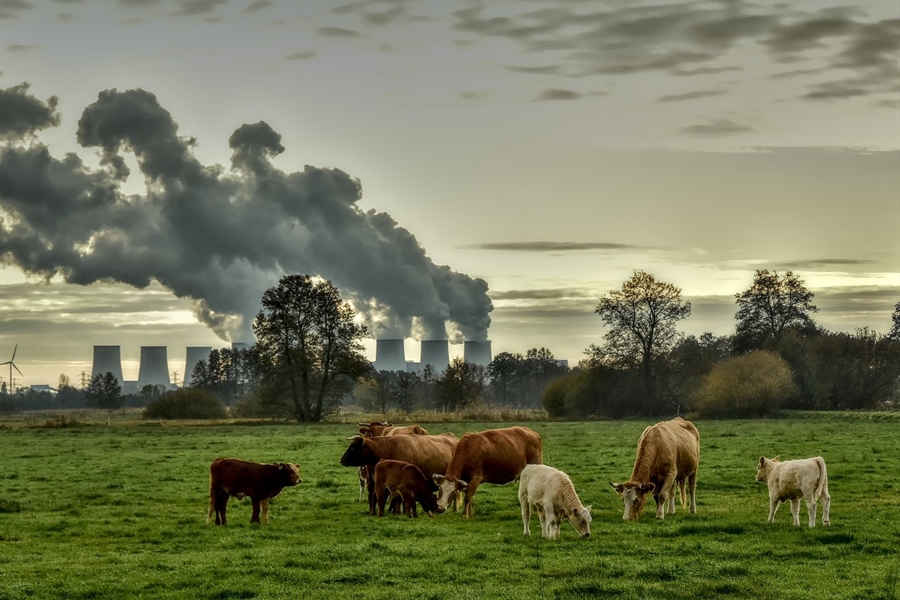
<point x="308" y="361"/>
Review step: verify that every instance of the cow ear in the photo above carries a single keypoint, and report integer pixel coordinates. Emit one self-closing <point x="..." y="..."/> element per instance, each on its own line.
<point x="438" y="478"/>
<point x="620" y="488"/>
<point x="777" y="457"/>
<point x="762" y="461"/>
<point x="648" y="487"/>
<point x="587" y="509"/>
<point x="461" y="485"/>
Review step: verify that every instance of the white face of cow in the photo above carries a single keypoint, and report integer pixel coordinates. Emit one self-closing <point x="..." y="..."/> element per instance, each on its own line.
<point x="580" y="518"/>
<point x="634" y="496"/>
<point x="447" y="488"/>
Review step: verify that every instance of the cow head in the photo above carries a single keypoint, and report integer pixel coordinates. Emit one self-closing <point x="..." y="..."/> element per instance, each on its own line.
<point x="289" y="474"/>
<point x="430" y="504"/>
<point x="634" y="495"/>
<point x="373" y="429"/>
<point x="356" y="454"/>
<point x="580" y="518"/>
<point x="448" y="487"/>
<point x="762" y="469"/>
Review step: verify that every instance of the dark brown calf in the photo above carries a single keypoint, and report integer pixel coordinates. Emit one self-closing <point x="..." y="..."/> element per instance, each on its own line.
<point x="399" y="479"/>
<point x="239" y="478"/>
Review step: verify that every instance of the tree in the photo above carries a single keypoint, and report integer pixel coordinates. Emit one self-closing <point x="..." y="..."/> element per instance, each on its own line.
<point x="68" y="396"/>
<point x="228" y="373"/>
<point x="309" y="347"/>
<point x="460" y="386"/>
<point x="752" y="385"/>
<point x="503" y="372"/>
<point x="104" y="392"/>
<point x="406" y="391"/>
<point x="641" y="318"/>
<point x="894" y="333"/>
<point x="771" y="306"/>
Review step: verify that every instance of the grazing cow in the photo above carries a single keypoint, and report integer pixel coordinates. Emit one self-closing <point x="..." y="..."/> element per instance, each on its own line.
<point x="431" y="453"/>
<point x="668" y="454"/>
<point x="374" y="429"/>
<point x="397" y="479"/>
<point x="260" y="482"/>
<point x="551" y="492"/>
<point x="493" y="456"/>
<point x="795" y="479"/>
<point x="406" y="430"/>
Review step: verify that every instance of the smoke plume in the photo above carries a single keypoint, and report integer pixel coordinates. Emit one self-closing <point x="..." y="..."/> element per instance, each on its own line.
<point x="217" y="236"/>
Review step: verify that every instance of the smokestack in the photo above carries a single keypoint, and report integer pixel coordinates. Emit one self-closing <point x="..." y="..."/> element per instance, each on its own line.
<point x="389" y="355"/>
<point x="239" y="346"/>
<point x="478" y="353"/>
<point x="107" y="359"/>
<point x="154" y="366"/>
<point x="436" y="353"/>
<point x="194" y="355"/>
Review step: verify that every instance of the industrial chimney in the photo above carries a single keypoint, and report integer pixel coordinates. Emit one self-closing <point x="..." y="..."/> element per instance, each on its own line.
<point x="478" y="353"/>
<point x="435" y="353"/>
<point x="389" y="355"/>
<point x="154" y="366"/>
<point x="239" y="346"/>
<point x="107" y="359"/>
<point x="194" y="355"/>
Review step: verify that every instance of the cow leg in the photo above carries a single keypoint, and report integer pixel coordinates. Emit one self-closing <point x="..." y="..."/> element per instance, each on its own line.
<point x="545" y="531"/>
<point x="467" y="501"/>
<point x="670" y="509"/>
<point x="264" y="505"/>
<point x="826" y="506"/>
<point x="550" y="520"/>
<point x="665" y="489"/>
<point x="795" y="511"/>
<point x="811" y="508"/>
<point x="774" y="503"/>
<point x="221" y="504"/>
<point x="255" y="517"/>
<point x="413" y="508"/>
<point x="362" y="482"/>
<point x="370" y="483"/>
<point x="692" y="489"/>
<point x="526" y="512"/>
<point x="380" y="499"/>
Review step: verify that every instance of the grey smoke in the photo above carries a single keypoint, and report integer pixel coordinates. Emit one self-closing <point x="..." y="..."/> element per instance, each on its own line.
<point x="216" y="236"/>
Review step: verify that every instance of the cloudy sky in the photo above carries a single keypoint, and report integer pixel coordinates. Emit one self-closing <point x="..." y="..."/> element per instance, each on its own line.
<point x="458" y="168"/>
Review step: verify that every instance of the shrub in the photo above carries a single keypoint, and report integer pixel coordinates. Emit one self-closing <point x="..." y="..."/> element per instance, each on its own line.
<point x="186" y="404"/>
<point x="753" y="385"/>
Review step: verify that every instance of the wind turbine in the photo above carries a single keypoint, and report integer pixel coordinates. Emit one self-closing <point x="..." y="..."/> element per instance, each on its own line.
<point x="12" y="365"/>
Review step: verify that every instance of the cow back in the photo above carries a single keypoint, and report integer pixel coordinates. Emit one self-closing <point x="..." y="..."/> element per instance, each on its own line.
<point x="431" y="453"/>
<point x="665" y="447"/>
<point x="496" y="455"/>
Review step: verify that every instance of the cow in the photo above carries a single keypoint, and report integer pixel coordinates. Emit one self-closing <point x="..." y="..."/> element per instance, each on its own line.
<point x="431" y="453"/>
<point x="402" y="480"/>
<point x="551" y="492"/>
<point x="374" y="429"/>
<point x="492" y="456"/>
<point x="668" y="454"/>
<point x="239" y="478"/>
<point x="795" y="479"/>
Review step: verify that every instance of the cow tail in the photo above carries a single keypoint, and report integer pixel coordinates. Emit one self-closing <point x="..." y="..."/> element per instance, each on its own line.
<point x="212" y="501"/>
<point x="823" y="476"/>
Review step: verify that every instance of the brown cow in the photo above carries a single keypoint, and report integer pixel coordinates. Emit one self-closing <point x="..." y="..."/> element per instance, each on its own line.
<point x="668" y="454"/>
<point x="374" y="429"/>
<point x="261" y="482"/>
<point x="431" y="453"/>
<point x="399" y="479"/>
<point x="493" y="456"/>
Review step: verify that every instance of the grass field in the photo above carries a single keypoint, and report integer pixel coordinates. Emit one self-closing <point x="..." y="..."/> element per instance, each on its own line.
<point x="120" y="512"/>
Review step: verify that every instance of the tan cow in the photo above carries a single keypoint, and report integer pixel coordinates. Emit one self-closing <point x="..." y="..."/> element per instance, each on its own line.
<point x="374" y="429"/>
<point x="431" y="453"/>
<point x="551" y="492"/>
<point x="239" y="478"/>
<point x="402" y="481"/>
<point x="493" y="456"/>
<point x="668" y="453"/>
<point x="795" y="479"/>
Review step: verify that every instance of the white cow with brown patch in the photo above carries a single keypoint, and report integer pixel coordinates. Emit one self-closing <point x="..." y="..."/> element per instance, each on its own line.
<point x="551" y="493"/>
<point x="795" y="479"/>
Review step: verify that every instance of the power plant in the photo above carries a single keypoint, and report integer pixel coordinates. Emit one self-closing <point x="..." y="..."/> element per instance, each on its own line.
<point x="154" y="366"/>
<point x="435" y="353"/>
<point x="390" y="355"/>
<point x="194" y="355"/>
<point x="478" y="353"/>
<point x="239" y="346"/>
<point x="107" y="359"/>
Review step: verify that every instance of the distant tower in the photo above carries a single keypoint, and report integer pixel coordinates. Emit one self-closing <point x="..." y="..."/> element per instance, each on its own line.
<point x="389" y="355"/>
<point x="240" y="346"/>
<point x="107" y="359"/>
<point x="194" y="355"/>
<point x="436" y="353"/>
<point x="478" y="353"/>
<point x="154" y="366"/>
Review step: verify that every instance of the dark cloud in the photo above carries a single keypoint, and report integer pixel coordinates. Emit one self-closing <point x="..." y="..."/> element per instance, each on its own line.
<point x="22" y="114"/>
<point x="337" y="32"/>
<point x="10" y="9"/>
<point x="257" y="6"/>
<point x="553" y="246"/>
<point x="302" y="55"/>
<point x="193" y="8"/>
<point x="691" y="95"/>
<point x="545" y="294"/>
<point x="138" y="3"/>
<point x="557" y="94"/>
<point x="21" y="47"/>
<point x="716" y="127"/>
<point x="215" y="236"/>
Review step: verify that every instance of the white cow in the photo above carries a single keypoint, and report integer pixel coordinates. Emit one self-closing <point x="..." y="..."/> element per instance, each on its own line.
<point x="795" y="479"/>
<point x="552" y="494"/>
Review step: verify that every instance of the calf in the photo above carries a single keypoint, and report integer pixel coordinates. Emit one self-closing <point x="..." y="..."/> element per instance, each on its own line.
<point x="551" y="492"/>
<point x="260" y="482"/>
<point x="400" y="479"/>
<point x="795" y="479"/>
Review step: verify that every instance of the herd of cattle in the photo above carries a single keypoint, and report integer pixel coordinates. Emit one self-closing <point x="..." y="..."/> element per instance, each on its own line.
<point x="408" y="467"/>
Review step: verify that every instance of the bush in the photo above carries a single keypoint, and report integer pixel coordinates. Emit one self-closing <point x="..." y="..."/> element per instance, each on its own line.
<point x="8" y="405"/>
<point x="186" y="404"/>
<point x="753" y="385"/>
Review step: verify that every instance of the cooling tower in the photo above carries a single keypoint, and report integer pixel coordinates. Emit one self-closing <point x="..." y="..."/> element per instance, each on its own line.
<point x="154" y="366"/>
<point x="107" y="359"/>
<point x="240" y="346"/>
<point x="194" y="355"/>
<point x="435" y="353"/>
<point x="478" y="353"/>
<point x="389" y="355"/>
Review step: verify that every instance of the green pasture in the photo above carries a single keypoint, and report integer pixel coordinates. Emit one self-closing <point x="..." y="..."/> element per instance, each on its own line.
<point x="96" y="511"/>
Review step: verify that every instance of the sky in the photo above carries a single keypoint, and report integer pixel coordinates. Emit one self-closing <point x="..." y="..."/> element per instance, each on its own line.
<point x="464" y="169"/>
